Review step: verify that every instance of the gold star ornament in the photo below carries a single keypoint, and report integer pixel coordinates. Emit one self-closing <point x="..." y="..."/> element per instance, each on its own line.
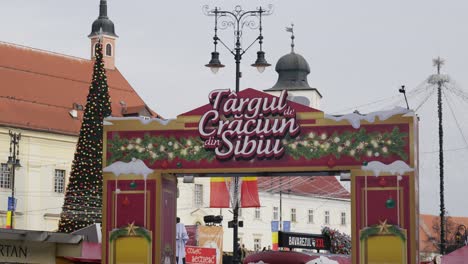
<point x="383" y="227"/>
<point x="131" y="229"/>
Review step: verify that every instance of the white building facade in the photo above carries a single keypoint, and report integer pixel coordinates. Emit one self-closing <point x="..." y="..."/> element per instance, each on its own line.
<point x="306" y="213"/>
<point x="45" y="160"/>
<point x="43" y="97"/>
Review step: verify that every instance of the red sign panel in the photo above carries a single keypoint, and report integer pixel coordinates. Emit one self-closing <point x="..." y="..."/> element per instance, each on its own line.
<point x="252" y="130"/>
<point x="200" y="255"/>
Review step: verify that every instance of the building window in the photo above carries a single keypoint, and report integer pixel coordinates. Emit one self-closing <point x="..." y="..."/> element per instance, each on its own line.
<point x="327" y="217"/>
<point x="108" y="49"/>
<point x="311" y="216"/>
<point x="293" y="214"/>
<point x="257" y="213"/>
<point x="257" y="244"/>
<point x="198" y="195"/>
<point x="5" y="180"/>
<point x="343" y="218"/>
<point x="59" y="181"/>
<point x="275" y="213"/>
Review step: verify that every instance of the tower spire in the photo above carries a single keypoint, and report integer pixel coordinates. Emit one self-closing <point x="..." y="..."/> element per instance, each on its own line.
<point x="291" y="29"/>
<point x="103" y="31"/>
<point x="103" y="22"/>
<point x="103" y="9"/>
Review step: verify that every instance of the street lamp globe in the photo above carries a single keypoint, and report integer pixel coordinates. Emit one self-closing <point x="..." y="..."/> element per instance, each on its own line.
<point x="13" y="163"/>
<point x="214" y="63"/>
<point x="10" y="162"/>
<point x="261" y="63"/>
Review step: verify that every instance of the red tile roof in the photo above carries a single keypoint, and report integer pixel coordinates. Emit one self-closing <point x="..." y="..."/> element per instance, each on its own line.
<point x="427" y="230"/>
<point x="38" y="89"/>
<point x="323" y="186"/>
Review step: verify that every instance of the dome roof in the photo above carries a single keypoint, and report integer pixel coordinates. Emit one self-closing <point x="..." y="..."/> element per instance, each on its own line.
<point x="103" y="22"/>
<point x="292" y="71"/>
<point x="292" y="62"/>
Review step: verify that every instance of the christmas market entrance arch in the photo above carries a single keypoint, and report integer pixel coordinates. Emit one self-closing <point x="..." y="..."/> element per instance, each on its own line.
<point x="254" y="133"/>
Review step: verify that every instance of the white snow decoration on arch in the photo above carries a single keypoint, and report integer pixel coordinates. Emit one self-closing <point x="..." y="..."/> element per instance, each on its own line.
<point x="355" y="119"/>
<point x="398" y="167"/>
<point x="136" y="166"/>
<point x="322" y="260"/>
<point x="143" y="119"/>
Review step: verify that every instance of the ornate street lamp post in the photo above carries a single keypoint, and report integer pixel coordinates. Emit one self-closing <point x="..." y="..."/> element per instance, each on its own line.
<point x="13" y="163"/>
<point x="238" y="19"/>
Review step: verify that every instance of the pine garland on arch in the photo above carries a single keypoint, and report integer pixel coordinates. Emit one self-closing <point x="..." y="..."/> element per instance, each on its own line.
<point x="83" y="196"/>
<point x="356" y="144"/>
<point x="157" y="148"/>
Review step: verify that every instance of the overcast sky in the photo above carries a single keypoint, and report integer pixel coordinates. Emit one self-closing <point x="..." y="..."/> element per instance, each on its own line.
<point x="359" y="53"/>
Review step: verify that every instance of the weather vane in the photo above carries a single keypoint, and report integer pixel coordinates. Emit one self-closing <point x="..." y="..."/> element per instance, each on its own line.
<point x="291" y="29"/>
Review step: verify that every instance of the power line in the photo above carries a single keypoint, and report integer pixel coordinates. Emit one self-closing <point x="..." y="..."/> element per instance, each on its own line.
<point x="455" y="118"/>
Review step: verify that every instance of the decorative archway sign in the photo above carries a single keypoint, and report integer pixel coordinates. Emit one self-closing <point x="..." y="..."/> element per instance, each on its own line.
<point x="252" y="132"/>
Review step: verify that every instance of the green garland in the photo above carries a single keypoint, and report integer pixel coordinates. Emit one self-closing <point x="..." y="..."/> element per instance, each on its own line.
<point x="123" y="232"/>
<point x="356" y="144"/>
<point x="158" y="148"/>
<point x="353" y="144"/>
<point x="375" y="230"/>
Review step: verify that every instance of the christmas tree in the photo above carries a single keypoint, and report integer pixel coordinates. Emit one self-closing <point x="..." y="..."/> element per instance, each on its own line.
<point x="83" y="197"/>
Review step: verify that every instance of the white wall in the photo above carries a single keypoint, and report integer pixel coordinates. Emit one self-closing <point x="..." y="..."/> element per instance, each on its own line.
<point x="40" y="155"/>
<point x="261" y="228"/>
<point x="312" y="95"/>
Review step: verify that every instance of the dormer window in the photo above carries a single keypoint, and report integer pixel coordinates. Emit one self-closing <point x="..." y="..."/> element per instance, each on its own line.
<point x="77" y="106"/>
<point x="108" y="50"/>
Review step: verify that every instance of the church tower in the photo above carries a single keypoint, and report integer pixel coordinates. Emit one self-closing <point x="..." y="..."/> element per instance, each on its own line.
<point x="292" y="71"/>
<point x="103" y="28"/>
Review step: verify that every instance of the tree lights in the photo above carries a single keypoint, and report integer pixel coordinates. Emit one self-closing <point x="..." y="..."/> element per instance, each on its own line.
<point x="83" y="198"/>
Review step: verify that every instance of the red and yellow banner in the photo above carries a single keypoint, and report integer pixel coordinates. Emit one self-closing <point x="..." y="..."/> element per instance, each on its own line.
<point x="220" y="195"/>
<point x="249" y="192"/>
<point x="274" y="240"/>
<point x="9" y="220"/>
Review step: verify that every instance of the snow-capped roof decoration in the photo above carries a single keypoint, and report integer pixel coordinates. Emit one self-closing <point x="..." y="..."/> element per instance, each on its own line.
<point x="398" y="167"/>
<point x="136" y="166"/>
<point x="355" y="118"/>
<point x="143" y="119"/>
<point x="322" y="260"/>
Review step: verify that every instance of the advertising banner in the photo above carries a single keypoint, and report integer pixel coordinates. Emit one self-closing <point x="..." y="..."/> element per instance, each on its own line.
<point x="192" y="233"/>
<point x="11" y="204"/>
<point x="274" y="226"/>
<point x="286" y="226"/>
<point x="211" y="237"/>
<point x="200" y="255"/>
<point x="302" y="240"/>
